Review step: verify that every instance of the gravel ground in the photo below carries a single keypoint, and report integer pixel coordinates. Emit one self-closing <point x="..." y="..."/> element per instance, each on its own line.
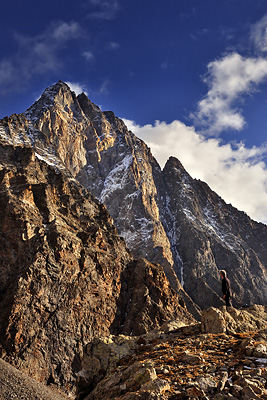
<point x="14" y="385"/>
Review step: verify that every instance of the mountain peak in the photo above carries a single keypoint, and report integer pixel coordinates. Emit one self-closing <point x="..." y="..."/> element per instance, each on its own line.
<point x="58" y="94"/>
<point x="165" y="216"/>
<point x="56" y="88"/>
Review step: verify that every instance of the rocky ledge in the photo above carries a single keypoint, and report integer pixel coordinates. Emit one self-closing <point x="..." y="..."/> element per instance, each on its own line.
<point x="179" y="362"/>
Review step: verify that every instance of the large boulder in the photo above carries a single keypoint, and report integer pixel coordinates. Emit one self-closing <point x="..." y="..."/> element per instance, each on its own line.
<point x="231" y="320"/>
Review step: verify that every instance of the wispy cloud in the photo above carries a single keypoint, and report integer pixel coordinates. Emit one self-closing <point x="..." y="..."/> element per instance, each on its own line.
<point x="228" y="79"/>
<point x="113" y="46"/>
<point x="200" y="33"/>
<point x="65" y="31"/>
<point x="36" y="55"/>
<point x="237" y="173"/>
<point x="165" y="65"/>
<point x="258" y="34"/>
<point x="104" y="87"/>
<point x="103" y="9"/>
<point x="88" y="55"/>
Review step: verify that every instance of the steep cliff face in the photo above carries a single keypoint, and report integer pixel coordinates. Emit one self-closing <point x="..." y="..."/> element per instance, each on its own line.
<point x="62" y="271"/>
<point x="61" y="261"/>
<point x="165" y="216"/>
<point x="109" y="160"/>
<point x="207" y="234"/>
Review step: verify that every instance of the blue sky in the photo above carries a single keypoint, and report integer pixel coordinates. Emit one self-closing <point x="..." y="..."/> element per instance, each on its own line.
<point x="188" y="76"/>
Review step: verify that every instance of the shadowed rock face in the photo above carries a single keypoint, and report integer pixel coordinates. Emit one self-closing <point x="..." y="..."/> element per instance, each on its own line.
<point x="61" y="262"/>
<point x="165" y="216"/>
<point x="208" y="235"/>
<point x="63" y="270"/>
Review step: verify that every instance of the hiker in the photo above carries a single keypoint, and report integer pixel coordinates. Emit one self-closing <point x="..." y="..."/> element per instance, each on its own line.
<point x="226" y="288"/>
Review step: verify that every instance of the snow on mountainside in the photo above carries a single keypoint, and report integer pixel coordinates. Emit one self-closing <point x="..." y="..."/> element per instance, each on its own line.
<point x="165" y="216"/>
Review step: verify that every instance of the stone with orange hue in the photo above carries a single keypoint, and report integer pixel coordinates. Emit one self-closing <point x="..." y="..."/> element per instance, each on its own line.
<point x="231" y="320"/>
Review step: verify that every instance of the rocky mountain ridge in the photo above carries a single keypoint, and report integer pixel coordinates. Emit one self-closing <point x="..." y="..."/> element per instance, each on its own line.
<point x="165" y="216"/>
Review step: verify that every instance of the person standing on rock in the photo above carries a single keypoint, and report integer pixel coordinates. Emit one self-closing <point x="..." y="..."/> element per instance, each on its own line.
<point x="226" y="288"/>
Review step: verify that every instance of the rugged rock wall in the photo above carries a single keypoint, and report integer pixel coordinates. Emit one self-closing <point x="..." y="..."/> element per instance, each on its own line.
<point x="63" y="267"/>
<point x="165" y="216"/>
<point x="109" y="160"/>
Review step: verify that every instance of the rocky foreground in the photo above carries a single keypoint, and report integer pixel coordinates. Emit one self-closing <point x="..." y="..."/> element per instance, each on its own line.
<point x="222" y="357"/>
<point x="182" y="362"/>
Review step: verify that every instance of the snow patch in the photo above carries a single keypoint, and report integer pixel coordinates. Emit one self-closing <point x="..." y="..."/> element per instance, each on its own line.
<point x="117" y="178"/>
<point x="173" y="236"/>
<point x="261" y="360"/>
<point x="45" y="159"/>
<point x="135" y="236"/>
<point x="210" y="224"/>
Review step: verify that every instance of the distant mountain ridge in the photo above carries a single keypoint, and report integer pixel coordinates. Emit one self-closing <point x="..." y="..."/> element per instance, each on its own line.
<point x="165" y="216"/>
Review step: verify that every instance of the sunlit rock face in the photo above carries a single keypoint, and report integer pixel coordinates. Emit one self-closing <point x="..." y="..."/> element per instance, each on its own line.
<point x="106" y="158"/>
<point x="61" y="263"/>
<point x="165" y="216"/>
<point x="66" y="275"/>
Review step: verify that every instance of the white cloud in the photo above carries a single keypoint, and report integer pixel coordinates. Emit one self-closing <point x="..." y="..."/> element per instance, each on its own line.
<point x="104" y="87"/>
<point x="258" y="34"/>
<point x="228" y="79"/>
<point x="77" y="87"/>
<point x="238" y="174"/>
<point x="7" y="71"/>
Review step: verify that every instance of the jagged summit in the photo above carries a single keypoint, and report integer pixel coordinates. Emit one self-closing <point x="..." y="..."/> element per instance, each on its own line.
<point x="56" y="88"/>
<point x="56" y="95"/>
<point x="48" y="96"/>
